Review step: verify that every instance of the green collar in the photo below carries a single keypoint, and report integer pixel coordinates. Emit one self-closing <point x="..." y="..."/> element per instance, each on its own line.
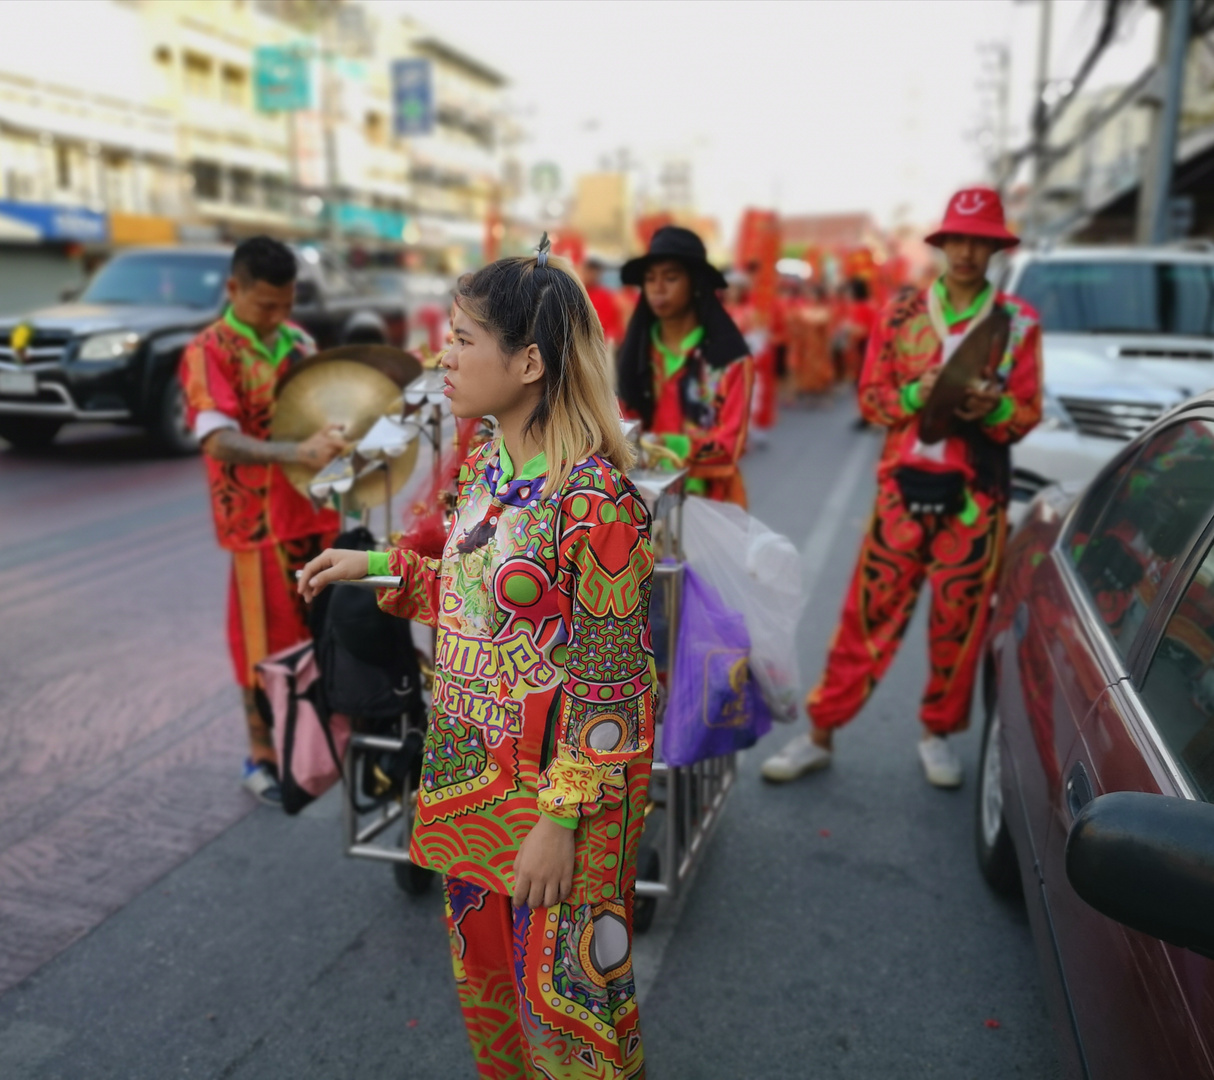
<point x="951" y="317"/>
<point x="672" y="362"/>
<point x="283" y="343"/>
<point x="537" y="466"/>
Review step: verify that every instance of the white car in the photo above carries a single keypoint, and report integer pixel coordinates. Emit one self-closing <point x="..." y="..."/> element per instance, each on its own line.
<point x="1128" y="332"/>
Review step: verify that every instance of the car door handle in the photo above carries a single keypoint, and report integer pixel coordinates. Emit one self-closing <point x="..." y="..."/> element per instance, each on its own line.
<point x="1078" y="789"/>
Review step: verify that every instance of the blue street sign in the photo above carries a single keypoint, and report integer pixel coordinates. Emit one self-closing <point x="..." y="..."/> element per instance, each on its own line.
<point x="412" y="97"/>
<point x="282" y="78"/>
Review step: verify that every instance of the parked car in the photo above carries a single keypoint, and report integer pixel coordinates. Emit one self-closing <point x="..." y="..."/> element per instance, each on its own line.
<point x="1097" y="757"/>
<point x="1128" y="332"/>
<point x="112" y="354"/>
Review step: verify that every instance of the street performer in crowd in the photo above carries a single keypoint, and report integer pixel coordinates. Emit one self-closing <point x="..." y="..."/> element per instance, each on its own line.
<point x="941" y="509"/>
<point x="230" y="372"/>
<point x="537" y="758"/>
<point x="685" y="371"/>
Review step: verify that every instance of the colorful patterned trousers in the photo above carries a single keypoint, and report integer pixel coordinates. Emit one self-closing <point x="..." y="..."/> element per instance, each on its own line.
<point x="265" y="615"/>
<point x="547" y="994"/>
<point x="962" y="564"/>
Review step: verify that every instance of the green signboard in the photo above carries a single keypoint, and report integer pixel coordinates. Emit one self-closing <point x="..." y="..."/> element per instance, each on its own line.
<point x="282" y="77"/>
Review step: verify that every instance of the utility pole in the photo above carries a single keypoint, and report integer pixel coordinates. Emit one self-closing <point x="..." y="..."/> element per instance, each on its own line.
<point x="1155" y="191"/>
<point x="1040" y="116"/>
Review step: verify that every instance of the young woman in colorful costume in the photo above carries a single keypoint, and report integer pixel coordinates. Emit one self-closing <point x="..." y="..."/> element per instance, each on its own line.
<point x="685" y="370"/>
<point x="957" y="545"/>
<point x="536" y="763"/>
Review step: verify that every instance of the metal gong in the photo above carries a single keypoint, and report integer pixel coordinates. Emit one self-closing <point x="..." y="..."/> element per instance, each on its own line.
<point x="353" y="386"/>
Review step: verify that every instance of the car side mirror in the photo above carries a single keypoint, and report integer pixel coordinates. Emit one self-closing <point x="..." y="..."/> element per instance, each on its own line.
<point x="1147" y="861"/>
<point x="306" y="293"/>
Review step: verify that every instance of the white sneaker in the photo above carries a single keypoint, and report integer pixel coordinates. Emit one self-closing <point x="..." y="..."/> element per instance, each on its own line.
<point x="799" y="756"/>
<point x="941" y="765"/>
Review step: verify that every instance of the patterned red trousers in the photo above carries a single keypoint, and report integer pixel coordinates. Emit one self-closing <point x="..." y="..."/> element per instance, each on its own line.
<point x="962" y="564"/>
<point x="546" y="993"/>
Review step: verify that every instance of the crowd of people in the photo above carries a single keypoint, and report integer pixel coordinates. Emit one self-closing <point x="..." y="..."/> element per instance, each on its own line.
<point x="535" y="769"/>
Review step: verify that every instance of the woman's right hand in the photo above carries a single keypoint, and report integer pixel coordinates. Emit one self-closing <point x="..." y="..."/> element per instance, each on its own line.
<point x="333" y="564"/>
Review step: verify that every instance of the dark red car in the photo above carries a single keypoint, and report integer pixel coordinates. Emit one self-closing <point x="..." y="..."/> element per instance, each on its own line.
<point x="1097" y="766"/>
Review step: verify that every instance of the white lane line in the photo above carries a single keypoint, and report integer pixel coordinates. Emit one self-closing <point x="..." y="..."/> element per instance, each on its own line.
<point x="818" y="544"/>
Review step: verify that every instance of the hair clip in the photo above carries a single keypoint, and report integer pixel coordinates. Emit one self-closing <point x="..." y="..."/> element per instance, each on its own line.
<point x="541" y="259"/>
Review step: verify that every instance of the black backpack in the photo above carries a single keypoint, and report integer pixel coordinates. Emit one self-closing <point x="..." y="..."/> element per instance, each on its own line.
<point x="368" y="667"/>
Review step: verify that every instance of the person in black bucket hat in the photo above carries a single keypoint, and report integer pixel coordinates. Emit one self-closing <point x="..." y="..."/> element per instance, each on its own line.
<point x="685" y="370"/>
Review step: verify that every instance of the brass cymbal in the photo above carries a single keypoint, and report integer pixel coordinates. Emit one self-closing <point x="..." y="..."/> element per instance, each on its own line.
<point x="354" y="389"/>
<point x="977" y="358"/>
<point x="400" y="366"/>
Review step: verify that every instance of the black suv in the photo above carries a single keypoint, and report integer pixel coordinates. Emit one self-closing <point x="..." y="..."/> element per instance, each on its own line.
<point x="113" y="353"/>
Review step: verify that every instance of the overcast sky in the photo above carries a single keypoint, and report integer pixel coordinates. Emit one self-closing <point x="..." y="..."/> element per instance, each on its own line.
<point x="801" y="105"/>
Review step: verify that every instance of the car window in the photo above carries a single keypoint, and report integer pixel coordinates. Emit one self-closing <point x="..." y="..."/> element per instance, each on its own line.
<point x="1138" y="296"/>
<point x="1179" y="687"/>
<point x="1139" y="521"/>
<point x="160" y="279"/>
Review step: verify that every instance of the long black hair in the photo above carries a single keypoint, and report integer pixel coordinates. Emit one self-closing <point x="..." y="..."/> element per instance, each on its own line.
<point x="723" y="343"/>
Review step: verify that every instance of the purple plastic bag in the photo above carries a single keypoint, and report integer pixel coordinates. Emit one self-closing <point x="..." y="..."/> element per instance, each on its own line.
<point x="715" y="706"/>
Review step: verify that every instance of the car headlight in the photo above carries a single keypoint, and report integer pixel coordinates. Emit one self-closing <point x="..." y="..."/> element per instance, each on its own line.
<point x="109" y="346"/>
<point x="1053" y="416"/>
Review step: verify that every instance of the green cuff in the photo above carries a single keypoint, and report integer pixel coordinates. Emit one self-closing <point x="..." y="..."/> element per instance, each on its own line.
<point x="564" y="823"/>
<point x="912" y="400"/>
<point x="680" y="444"/>
<point x="1001" y="412"/>
<point x="969" y="512"/>
<point x="377" y="564"/>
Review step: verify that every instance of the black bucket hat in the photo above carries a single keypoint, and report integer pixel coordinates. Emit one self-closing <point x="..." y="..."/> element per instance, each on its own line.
<point x="674" y="242"/>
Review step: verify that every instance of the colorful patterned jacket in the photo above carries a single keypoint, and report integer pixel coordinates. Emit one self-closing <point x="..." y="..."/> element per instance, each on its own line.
<point x="905" y="343"/>
<point x="543" y="695"/>
<point x="230" y="378"/>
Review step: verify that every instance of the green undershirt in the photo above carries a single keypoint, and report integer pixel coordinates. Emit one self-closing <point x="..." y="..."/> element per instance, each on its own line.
<point x="284" y="340"/>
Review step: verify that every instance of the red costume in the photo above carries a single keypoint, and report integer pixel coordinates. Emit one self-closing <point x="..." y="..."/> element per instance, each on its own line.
<point x="958" y="551"/>
<point x="697" y="397"/>
<point x="602" y="299"/>
<point x="230" y="378"/>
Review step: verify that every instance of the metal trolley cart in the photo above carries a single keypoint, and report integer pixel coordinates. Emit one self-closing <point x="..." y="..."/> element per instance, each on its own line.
<point x="379" y="828"/>
<point x="685" y="802"/>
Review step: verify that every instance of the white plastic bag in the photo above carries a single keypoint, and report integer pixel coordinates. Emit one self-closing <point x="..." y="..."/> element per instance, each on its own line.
<point x="758" y="574"/>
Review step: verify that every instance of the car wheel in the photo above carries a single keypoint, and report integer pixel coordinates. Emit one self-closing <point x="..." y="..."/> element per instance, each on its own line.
<point x="170" y="427"/>
<point x="29" y="432"/>
<point x="996" y="855"/>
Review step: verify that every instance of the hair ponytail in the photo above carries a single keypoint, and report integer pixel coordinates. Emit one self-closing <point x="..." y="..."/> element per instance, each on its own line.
<point x="541" y="301"/>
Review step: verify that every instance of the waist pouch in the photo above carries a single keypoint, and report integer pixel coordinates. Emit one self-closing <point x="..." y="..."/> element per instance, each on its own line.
<point x="927" y="492"/>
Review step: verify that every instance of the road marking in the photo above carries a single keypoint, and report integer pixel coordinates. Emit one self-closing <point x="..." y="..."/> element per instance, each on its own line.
<point x="817" y="547"/>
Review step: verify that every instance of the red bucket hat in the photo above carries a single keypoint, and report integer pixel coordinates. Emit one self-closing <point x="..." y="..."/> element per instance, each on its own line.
<point x="976" y="211"/>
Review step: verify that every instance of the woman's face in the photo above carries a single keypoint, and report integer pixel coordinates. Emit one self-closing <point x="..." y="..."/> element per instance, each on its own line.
<point x="668" y="289"/>
<point x="481" y="381"/>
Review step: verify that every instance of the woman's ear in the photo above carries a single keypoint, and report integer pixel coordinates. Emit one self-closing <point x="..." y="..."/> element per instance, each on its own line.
<point x="532" y="369"/>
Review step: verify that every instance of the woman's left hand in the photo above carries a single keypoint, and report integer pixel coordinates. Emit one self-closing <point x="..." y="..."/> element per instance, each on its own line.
<point x="543" y="867"/>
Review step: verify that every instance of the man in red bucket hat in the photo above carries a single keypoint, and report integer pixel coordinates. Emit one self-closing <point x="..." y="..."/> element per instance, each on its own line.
<point x="941" y="510"/>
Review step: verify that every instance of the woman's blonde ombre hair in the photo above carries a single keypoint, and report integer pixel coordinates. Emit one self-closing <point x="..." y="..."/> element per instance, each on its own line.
<point x="522" y="303"/>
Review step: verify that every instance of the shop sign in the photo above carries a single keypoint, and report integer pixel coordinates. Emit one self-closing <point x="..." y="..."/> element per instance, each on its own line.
<point x="45" y="221"/>
<point x="412" y="97"/>
<point x="282" y="78"/>
<point x="371" y="221"/>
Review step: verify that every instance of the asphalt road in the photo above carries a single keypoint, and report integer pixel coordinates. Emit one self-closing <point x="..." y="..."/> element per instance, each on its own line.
<point x="151" y="926"/>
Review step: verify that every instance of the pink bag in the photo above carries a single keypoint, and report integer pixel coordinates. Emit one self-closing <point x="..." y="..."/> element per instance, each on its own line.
<point x="310" y="743"/>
